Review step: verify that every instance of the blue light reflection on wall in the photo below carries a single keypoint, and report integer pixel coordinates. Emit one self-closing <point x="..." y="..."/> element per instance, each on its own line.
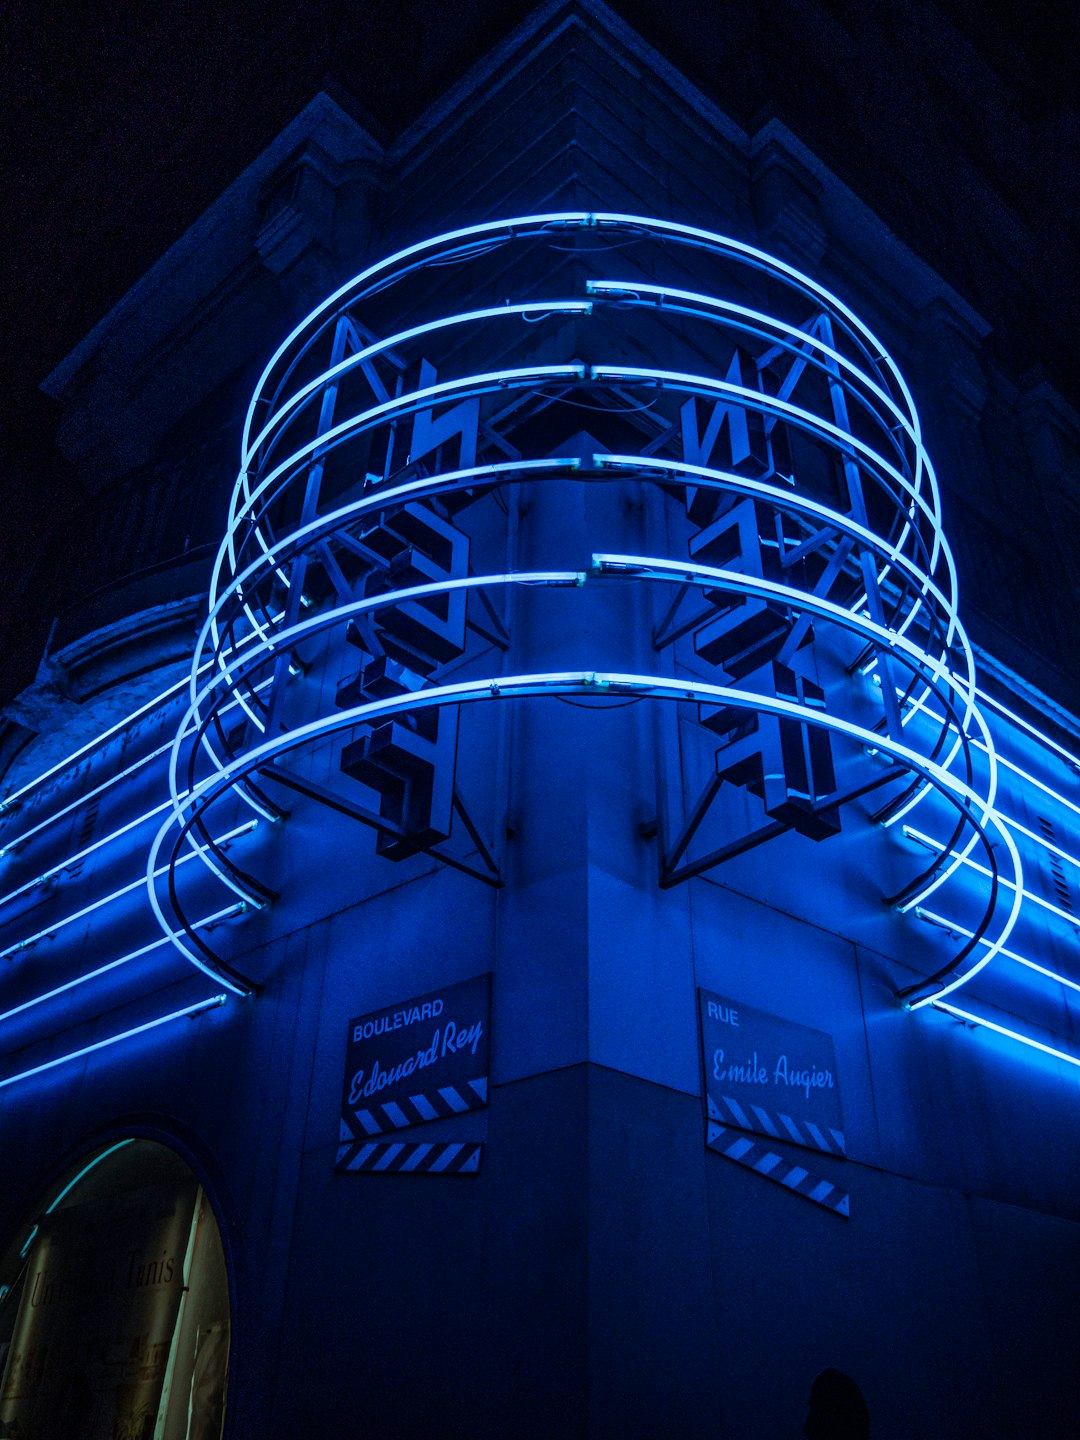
<point x="229" y="666"/>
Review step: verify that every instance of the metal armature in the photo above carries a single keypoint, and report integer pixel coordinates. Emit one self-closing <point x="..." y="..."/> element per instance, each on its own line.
<point x="791" y="546"/>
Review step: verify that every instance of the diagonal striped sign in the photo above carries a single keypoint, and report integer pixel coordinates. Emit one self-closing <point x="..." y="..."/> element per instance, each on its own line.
<point x="447" y="1158"/>
<point x="727" y="1110"/>
<point x="418" y="1060"/>
<point x="375" y="1119"/>
<point x="769" y="1075"/>
<point x="755" y="1156"/>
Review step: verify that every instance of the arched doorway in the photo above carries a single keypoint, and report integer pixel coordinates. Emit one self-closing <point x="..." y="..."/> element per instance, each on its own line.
<point x="114" y="1304"/>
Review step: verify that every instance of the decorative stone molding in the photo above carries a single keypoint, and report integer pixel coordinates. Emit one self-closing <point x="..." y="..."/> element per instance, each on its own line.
<point x="787" y="201"/>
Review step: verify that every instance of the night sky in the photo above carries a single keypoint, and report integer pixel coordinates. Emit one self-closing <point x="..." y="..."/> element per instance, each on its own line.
<point x="122" y="123"/>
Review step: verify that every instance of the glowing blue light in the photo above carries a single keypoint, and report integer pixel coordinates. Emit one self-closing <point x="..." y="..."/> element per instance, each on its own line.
<point x="90" y="1165"/>
<point x="1033" y="731"/>
<point x="415" y="332"/>
<point x="17" y="842"/>
<point x="1040" y="840"/>
<point x="1018" y="770"/>
<point x="941" y="849"/>
<point x="395" y="494"/>
<point x="878" y="385"/>
<point x="801" y="340"/>
<point x="647" y="568"/>
<point x="189" y="1010"/>
<point x="316" y="623"/>
<point x="66" y="920"/>
<point x="952" y="925"/>
<point x="84" y="799"/>
<point x="69" y="860"/>
<point x="82" y="979"/>
<point x="224" y="678"/>
<point x="1028" y="1040"/>
<point x="91" y="745"/>
<point x="569" y="682"/>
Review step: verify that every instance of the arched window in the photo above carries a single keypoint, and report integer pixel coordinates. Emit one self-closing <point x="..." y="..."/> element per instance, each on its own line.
<point x="114" y="1305"/>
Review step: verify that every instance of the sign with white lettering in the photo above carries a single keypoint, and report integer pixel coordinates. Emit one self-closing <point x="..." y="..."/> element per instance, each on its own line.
<point x="421" y="1059"/>
<point x="770" y="1075"/>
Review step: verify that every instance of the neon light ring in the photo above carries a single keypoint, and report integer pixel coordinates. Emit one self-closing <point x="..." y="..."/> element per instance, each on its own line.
<point x="778" y="440"/>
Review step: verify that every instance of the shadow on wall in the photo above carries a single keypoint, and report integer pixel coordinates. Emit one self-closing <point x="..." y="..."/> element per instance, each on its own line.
<point x="837" y="1409"/>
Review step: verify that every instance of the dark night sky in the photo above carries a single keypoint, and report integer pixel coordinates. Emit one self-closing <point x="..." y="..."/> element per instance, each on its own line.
<point x="123" y="122"/>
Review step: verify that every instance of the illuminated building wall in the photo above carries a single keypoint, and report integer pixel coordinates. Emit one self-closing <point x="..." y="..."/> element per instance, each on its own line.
<point x="554" y="852"/>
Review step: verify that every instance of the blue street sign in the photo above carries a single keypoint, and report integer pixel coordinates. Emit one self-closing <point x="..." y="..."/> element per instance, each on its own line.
<point x="417" y="1060"/>
<point x="769" y="1075"/>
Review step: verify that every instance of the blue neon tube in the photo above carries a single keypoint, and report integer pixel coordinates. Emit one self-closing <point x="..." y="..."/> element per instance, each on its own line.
<point x="189" y="1010"/>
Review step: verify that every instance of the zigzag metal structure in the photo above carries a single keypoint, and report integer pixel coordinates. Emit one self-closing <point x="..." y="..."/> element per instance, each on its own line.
<point x="817" y="533"/>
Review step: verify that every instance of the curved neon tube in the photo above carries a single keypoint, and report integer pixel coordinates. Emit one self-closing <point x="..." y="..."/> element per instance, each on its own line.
<point x="701" y="574"/>
<point x="585" y="682"/>
<point x="933" y="844"/>
<point x="791" y="337"/>
<point x="415" y="332"/>
<point x="400" y="406"/>
<point x="477" y="383"/>
<point x="374" y="500"/>
<point x="945" y="924"/>
<point x="280" y="418"/>
<point x="468" y="240"/>
<point x="10" y="846"/>
<point x="706" y="574"/>
<point x="832" y="518"/>
<point x="794" y="502"/>
<point x="779" y="329"/>
<point x="267" y="636"/>
<point x="378" y="498"/>
<point x="66" y="920"/>
<point x="534" y="225"/>
<point x="909" y="487"/>
<point x="316" y="624"/>
<point x="530" y="225"/>
<point x="447" y="389"/>
<point x="472" y="240"/>
<point x="76" y="755"/>
<point x="90" y="1165"/>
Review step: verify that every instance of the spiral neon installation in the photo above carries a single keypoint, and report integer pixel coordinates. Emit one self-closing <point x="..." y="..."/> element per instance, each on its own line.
<point x="789" y="549"/>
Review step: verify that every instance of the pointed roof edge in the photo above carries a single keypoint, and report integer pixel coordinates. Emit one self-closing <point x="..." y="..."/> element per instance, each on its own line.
<point x="326" y="116"/>
<point x="329" y="113"/>
<point x="450" y="110"/>
<point x="859" y="234"/>
<point x="862" y="232"/>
